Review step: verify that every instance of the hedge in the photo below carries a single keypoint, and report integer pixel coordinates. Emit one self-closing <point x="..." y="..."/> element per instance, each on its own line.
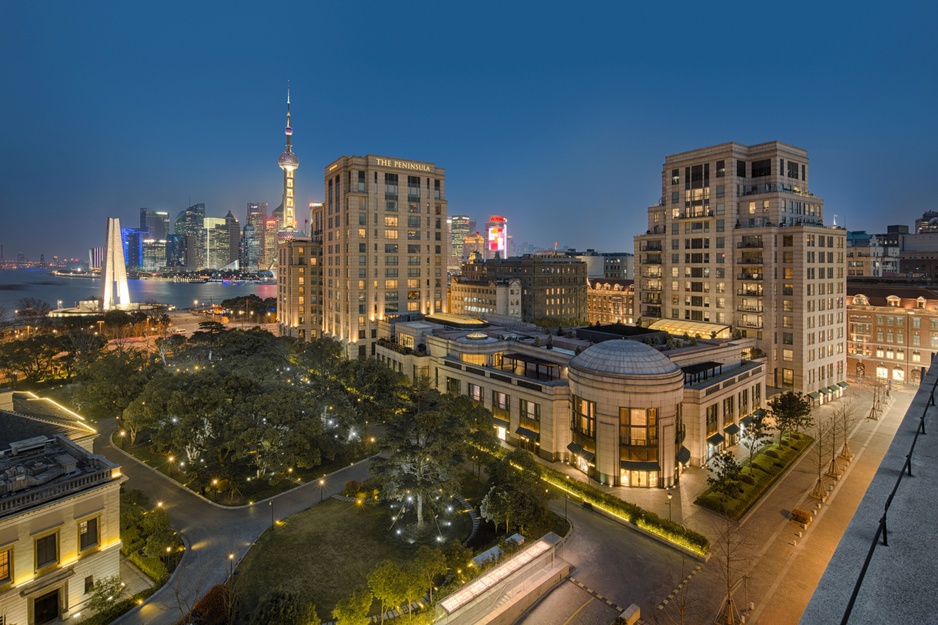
<point x="769" y="470"/>
<point x="154" y="568"/>
<point x="649" y="521"/>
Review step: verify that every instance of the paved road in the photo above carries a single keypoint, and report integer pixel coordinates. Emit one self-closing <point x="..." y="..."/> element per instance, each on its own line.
<point x="567" y="604"/>
<point x="211" y="532"/>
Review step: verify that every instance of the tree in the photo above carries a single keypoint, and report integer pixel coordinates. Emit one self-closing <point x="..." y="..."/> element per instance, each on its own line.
<point x="105" y="593"/>
<point x="730" y="555"/>
<point x="724" y="476"/>
<point x="822" y="429"/>
<point x="422" y="450"/>
<point x="279" y="606"/>
<point x="429" y="564"/>
<point x="353" y="610"/>
<point x="33" y="357"/>
<point x="756" y="434"/>
<point x="112" y="382"/>
<point x="791" y="411"/>
<point x="847" y="416"/>
<point x="516" y="496"/>
<point x="386" y="585"/>
<point x="155" y="526"/>
<point x="81" y="347"/>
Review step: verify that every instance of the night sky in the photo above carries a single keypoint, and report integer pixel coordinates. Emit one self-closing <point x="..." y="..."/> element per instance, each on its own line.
<point x="556" y="115"/>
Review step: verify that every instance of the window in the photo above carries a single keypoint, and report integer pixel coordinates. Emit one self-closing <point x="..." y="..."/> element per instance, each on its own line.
<point x="584" y="417"/>
<point x="638" y="427"/>
<point x="89" y="584"/>
<point x="453" y="386"/>
<point x="721" y="169"/>
<point x="475" y="392"/>
<point x="47" y="550"/>
<point x="741" y="169"/>
<point x="530" y="412"/>
<point x="6" y="566"/>
<point x="87" y="534"/>
<point x="711" y="419"/>
<point x="762" y="168"/>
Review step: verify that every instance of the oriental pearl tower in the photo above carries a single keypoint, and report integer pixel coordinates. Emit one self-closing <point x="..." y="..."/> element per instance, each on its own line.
<point x="288" y="163"/>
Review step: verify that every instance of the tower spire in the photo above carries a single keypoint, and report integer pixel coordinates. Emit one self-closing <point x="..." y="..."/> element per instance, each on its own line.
<point x="288" y="162"/>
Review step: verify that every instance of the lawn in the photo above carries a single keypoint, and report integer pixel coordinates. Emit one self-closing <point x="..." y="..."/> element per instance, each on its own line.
<point x="326" y="552"/>
<point x="768" y="465"/>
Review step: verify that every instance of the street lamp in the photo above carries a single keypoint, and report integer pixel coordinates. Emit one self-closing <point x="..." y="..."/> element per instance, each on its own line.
<point x="215" y="489"/>
<point x="230" y="565"/>
<point x="123" y="433"/>
<point x="669" y="504"/>
<point x="271" y="504"/>
<point x="322" y="482"/>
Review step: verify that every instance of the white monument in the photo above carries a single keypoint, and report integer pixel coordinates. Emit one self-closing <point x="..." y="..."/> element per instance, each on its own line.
<point x="114" y="290"/>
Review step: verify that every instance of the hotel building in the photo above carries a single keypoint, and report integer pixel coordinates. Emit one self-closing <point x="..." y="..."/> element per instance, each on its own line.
<point x="385" y="246"/>
<point x="738" y="242"/>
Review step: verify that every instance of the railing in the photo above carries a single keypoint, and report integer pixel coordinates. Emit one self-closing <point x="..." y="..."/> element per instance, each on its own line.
<point x="752" y="325"/>
<point x="774" y="188"/>
<point x="749" y="293"/>
<point x="753" y="309"/>
<point x="652" y="261"/>
<point x="651" y="246"/>
<point x="55" y="490"/>
<point x="881" y="529"/>
<point x="749" y="260"/>
<point x="749" y="276"/>
<point x="749" y="244"/>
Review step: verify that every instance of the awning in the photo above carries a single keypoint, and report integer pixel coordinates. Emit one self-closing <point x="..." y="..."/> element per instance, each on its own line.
<point x="678" y="327"/>
<point x="759" y="412"/>
<point x="579" y="451"/>
<point x="747" y="419"/>
<point x="499" y="422"/>
<point x="716" y="439"/>
<point x="683" y="456"/>
<point x="633" y="465"/>
<point x="825" y="390"/>
<point x="842" y="384"/>
<point x="731" y="429"/>
<point x="814" y="394"/>
<point x="833" y="389"/>
<point x="531" y="435"/>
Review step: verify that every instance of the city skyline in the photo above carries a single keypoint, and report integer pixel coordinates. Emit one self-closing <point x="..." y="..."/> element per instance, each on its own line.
<point x="533" y="115"/>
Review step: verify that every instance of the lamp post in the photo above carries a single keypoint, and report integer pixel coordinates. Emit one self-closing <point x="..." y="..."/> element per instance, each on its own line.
<point x="230" y="565"/>
<point x="123" y="433"/>
<point x="271" y="504"/>
<point x="669" y="504"/>
<point x="322" y="482"/>
<point x="215" y="489"/>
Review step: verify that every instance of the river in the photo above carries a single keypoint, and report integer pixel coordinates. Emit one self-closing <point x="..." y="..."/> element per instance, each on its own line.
<point x="16" y="284"/>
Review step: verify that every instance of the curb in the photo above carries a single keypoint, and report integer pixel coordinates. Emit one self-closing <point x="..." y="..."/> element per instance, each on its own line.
<point x="608" y="602"/>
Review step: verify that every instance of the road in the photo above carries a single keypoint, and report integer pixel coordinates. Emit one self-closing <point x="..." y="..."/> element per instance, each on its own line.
<point x="211" y="532"/>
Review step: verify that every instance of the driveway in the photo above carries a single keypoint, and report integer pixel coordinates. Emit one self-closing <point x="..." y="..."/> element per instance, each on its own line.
<point x="211" y="532"/>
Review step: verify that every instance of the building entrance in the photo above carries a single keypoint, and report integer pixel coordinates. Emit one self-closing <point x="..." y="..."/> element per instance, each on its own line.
<point x="46" y="608"/>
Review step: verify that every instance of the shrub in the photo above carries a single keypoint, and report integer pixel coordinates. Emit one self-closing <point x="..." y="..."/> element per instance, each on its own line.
<point x="151" y="567"/>
<point x="800" y="516"/>
<point x="747" y="479"/>
<point x="351" y="488"/>
<point x="771" y="453"/>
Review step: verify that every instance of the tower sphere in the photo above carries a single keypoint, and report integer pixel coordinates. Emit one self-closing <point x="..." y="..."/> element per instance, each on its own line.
<point x="288" y="160"/>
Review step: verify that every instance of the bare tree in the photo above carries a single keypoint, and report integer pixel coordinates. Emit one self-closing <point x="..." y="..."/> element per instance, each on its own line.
<point x="833" y="433"/>
<point x="819" y="453"/>
<point x="732" y="557"/>
<point x="686" y="604"/>
<point x="847" y="416"/>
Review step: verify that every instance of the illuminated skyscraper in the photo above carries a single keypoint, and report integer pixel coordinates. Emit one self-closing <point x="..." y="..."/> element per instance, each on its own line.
<point x="288" y="163"/>
<point x="496" y="237"/>
<point x="113" y="273"/>
<point x="458" y="231"/>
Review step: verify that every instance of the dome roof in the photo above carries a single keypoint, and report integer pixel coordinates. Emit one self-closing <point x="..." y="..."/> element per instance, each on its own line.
<point x="288" y="159"/>
<point x="623" y="357"/>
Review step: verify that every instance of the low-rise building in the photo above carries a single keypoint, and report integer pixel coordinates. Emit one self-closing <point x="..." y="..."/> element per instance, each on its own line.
<point x="892" y="331"/>
<point x="622" y="411"/>
<point x="59" y="512"/>
<point x="610" y="301"/>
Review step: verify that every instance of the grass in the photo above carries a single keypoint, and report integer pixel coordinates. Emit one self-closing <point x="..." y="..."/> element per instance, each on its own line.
<point x="340" y="543"/>
<point x="763" y="471"/>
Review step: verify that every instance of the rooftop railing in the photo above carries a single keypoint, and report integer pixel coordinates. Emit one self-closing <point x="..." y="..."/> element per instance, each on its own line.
<point x="881" y="528"/>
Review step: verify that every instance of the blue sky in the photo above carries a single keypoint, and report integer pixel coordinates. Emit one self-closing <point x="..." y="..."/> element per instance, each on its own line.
<point x="556" y="115"/>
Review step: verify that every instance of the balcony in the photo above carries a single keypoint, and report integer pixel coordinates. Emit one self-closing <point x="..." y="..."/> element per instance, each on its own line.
<point x="652" y="298"/>
<point x="750" y="324"/>
<point x="749" y="308"/>
<point x="652" y="260"/>
<point x="749" y="292"/>
<point x="695" y="214"/>
<point x="651" y="246"/>
<point x="651" y="273"/>
<point x="750" y="243"/>
<point x="759" y="189"/>
<point x="749" y="260"/>
<point x="748" y="276"/>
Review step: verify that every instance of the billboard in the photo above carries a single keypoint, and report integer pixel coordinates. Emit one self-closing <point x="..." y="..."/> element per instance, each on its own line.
<point x="496" y="239"/>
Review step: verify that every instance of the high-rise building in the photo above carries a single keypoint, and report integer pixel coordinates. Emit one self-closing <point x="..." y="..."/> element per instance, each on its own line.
<point x="288" y="162"/>
<point x="384" y="245"/>
<point x="189" y="224"/>
<point x="738" y="244"/>
<point x="215" y="241"/>
<point x="155" y="223"/>
<point x="458" y="231"/>
<point x="133" y="239"/>
<point x="270" y="239"/>
<point x="95" y="257"/>
<point x="154" y="255"/>
<point x="234" y="238"/>
<point x="496" y="237"/>
<point x="250" y="248"/>
<point x="257" y="218"/>
<point x="299" y="288"/>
